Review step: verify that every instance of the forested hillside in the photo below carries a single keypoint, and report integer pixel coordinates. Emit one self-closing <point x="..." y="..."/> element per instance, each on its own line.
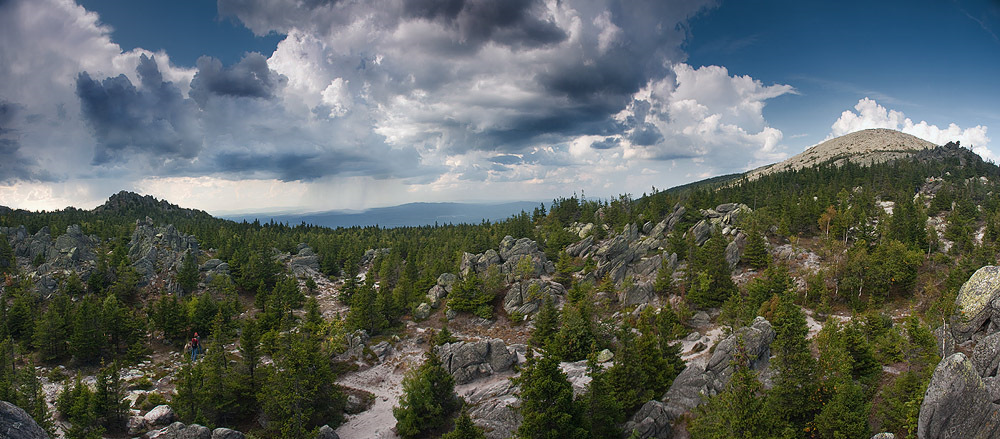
<point x="801" y="303"/>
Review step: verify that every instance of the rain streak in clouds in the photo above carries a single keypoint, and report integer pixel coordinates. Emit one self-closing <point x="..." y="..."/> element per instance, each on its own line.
<point x="420" y="98"/>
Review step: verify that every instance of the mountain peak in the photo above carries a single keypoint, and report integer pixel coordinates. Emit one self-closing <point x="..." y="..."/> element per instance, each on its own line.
<point x="866" y="147"/>
<point x="125" y="201"/>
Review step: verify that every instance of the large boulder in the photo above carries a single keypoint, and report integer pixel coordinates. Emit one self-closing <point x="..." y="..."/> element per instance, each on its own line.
<point x="159" y="415"/>
<point x="651" y="421"/>
<point x="15" y="423"/>
<point x="959" y="403"/>
<point x="326" y="432"/>
<point x="972" y="306"/>
<point x="305" y="262"/>
<point x="178" y="430"/>
<point x="527" y="297"/>
<point x="468" y="361"/>
<point x="495" y="409"/>
<point x="225" y="433"/>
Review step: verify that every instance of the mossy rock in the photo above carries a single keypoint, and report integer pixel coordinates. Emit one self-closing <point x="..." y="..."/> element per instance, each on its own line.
<point x="972" y="303"/>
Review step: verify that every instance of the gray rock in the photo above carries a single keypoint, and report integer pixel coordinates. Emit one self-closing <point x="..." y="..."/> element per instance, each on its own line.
<point x="15" y="423"/>
<point x="158" y="249"/>
<point x="958" y="403"/>
<point x="435" y="294"/>
<point x="651" y="421"/>
<point x="306" y="261"/>
<point x="701" y="231"/>
<point x="527" y="297"/>
<point x="159" y="415"/>
<point x="356" y="343"/>
<point x="136" y="425"/>
<point x="726" y="208"/>
<point x="945" y="341"/>
<point x="495" y="408"/>
<point x="581" y="247"/>
<point x="697" y="381"/>
<point x="701" y="319"/>
<point x="986" y="355"/>
<point x="178" y="430"/>
<point x="734" y="251"/>
<point x="884" y="436"/>
<point x="326" y="432"/>
<point x="972" y="306"/>
<point x="507" y="259"/>
<point x="647" y="227"/>
<point x="468" y="361"/>
<point x="637" y="294"/>
<point x="225" y="433"/>
<point x="422" y="312"/>
<point x="447" y="281"/>
<point x="382" y="349"/>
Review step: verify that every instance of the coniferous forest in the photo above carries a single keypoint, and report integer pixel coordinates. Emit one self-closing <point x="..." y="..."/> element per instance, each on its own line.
<point x="800" y="304"/>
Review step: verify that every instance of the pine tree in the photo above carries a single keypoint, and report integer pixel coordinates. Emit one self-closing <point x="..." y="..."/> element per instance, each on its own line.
<point x="846" y="414"/>
<point x="31" y="396"/>
<point x="428" y="398"/>
<point x="464" y="428"/>
<point x="547" y="404"/>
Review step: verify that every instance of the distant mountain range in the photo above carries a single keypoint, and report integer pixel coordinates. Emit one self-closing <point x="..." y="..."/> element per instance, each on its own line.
<point x="405" y="215"/>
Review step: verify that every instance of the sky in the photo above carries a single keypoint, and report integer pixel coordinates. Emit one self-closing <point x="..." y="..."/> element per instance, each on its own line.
<point x="311" y="105"/>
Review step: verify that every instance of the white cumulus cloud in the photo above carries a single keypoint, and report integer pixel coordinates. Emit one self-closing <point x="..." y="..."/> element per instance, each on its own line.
<point x="869" y="114"/>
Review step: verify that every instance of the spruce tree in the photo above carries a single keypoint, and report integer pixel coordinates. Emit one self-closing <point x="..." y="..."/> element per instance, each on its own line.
<point x="792" y="402"/>
<point x="7" y="262"/>
<point x="602" y="412"/>
<point x="110" y="404"/>
<point x="87" y="338"/>
<point x="464" y="428"/>
<point x="53" y="329"/>
<point x="756" y="254"/>
<point x="575" y="339"/>
<point x="546" y="325"/>
<point x="737" y="412"/>
<point x="547" y="404"/>
<point x="428" y="398"/>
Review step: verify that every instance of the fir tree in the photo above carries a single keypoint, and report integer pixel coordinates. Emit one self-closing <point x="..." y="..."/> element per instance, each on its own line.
<point x="110" y="404"/>
<point x="791" y="403"/>
<point x="575" y="339"/>
<point x="547" y="404"/>
<point x="737" y="412"/>
<point x="756" y="254"/>
<point x="602" y="412"/>
<point x="53" y="329"/>
<point x="546" y="324"/>
<point x="464" y="428"/>
<point x="87" y="338"/>
<point x="428" y="398"/>
<point x="7" y="263"/>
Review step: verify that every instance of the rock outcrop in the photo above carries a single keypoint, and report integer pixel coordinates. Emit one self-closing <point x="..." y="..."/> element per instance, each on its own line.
<point x="70" y="252"/>
<point x="443" y="287"/>
<point x="495" y="408"/>
<point x="468" y="361"/>
<point x="975" y="312"/>
<point x="507" y="258"/>
<point x="527" y="297"/>
<point x="15" y="423"/>
<point x="305" y="262"/>
<point x="178" y="430"/>
<point x="959" y="403"/>
<point x="154" y="250"/>
<point x="697" y="381"/>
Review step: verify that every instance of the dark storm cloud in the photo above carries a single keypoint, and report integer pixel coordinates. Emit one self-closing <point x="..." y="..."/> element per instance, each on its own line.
<point x="14" y="165"/>
<point x="510" y="22"/>
<point x="156" y="120"/>
<point x="645" y="135"/>
<point x="251" y="77"/>
<point x="607" y="143"/>
<point x="308" y="166"/>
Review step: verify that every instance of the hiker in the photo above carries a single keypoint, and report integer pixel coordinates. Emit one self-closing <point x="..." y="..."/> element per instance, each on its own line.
<point x="194" y="347"/>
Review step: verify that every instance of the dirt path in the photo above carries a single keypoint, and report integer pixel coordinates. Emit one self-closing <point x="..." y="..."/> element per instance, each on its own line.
<point x="384" y="380"/>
